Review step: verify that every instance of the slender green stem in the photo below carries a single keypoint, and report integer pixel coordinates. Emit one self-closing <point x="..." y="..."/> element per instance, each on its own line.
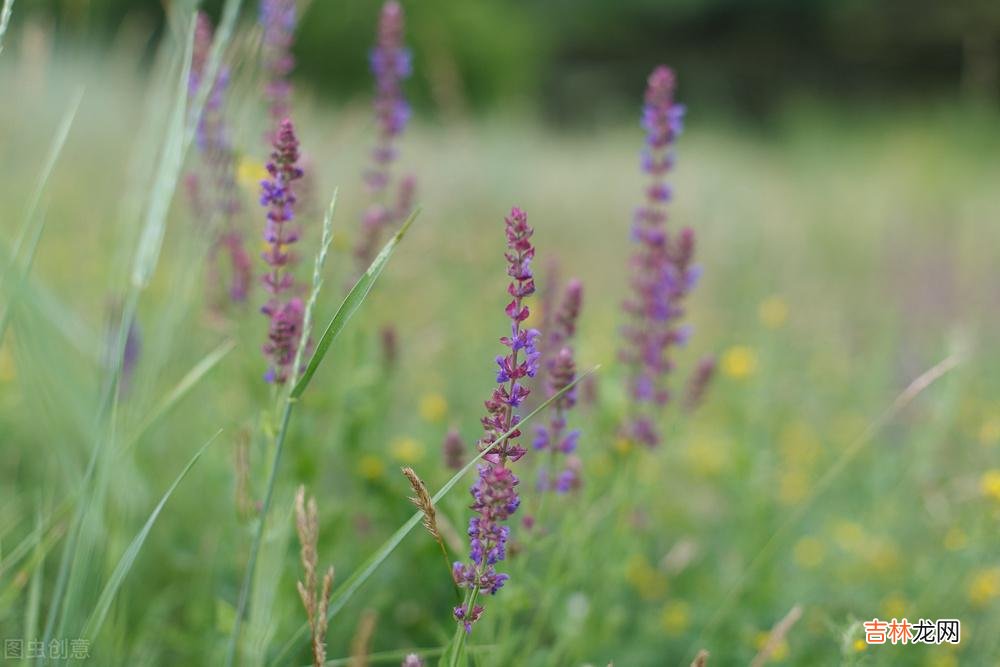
<point x="258" y="537"/>
<point x="458" y="643"/>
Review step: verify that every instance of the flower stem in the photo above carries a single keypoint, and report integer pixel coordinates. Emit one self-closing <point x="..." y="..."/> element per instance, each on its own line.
<point x="241" y="605"/>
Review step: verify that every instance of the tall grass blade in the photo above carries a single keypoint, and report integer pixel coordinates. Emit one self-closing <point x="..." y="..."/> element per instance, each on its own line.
<point x="350" y="305"/>
<point x="347" y="589"/>
<point x="121" y="570"/>
<point x="183" y="388"/>
<point x="317" y="282"/>
<point x="8" y="9"/>
<point x="29" y="230"/>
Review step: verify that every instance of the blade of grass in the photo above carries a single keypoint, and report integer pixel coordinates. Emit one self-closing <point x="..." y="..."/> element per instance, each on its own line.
<point x="29" y="230"/>
<point x="317" y="282"/>
<point x="144" y="263"/>
<point x="351" y="303"/>
<point x="121" y="570"/>
<point x="347" y="309"/>
<point x="182" y="388"/>
<point x="8" y="9"/>
<point x="347" y="589"/>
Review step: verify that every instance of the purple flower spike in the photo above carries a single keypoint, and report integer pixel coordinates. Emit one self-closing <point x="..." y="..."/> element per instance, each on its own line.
<point x="279" y="19"/>
<point x="661" y="268"/>
<point x="495" y="497"/>
<point x="214" y="193"/>
<point x="391" y="65"/>
<point x="279" y="199"/>
<point x="560" y="371"/>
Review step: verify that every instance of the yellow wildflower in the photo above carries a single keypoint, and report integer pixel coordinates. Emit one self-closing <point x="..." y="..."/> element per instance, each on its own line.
<point x="895" y="605"/>
<point x="676" y="617"/>
<point x="793" y="487"/>
<point x="647" y="581"/>
<point x="859" y="645"/>
<point x="371" y="467"/>
<point x="433" y="408"/>
<point x="809" y="553"/>
<point x="623" y="445"/>
<point x="707" y="456"/>
<point x="739" y="362"/>
<point x="773" y="312"/>
<point x="249" y="174"/>
<point x="407" y="450"/>
<point x="884" y="556"/>
<point x="989" y="484"/>
<point x="984" y="586"/>
<point x="944" y="658"/>
<point x="849" y="535"/>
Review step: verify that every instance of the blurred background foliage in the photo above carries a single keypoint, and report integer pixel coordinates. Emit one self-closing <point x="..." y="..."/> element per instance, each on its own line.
<point x="582" y="60"/>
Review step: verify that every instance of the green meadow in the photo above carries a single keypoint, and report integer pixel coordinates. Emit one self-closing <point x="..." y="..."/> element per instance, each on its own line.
<point x="844" y="465"/>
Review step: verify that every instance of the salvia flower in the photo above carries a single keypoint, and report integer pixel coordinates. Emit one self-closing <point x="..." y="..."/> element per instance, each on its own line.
<point x="661" y="270"/>
<point x="285" y="313"/>
<point x="560" y="371"/>
<point x="278" y="18"/>
<point x="391" y="65"/>
<point x="218" y="198"/>
<point x="554" y="436"/>
<point x="494" y="494"/>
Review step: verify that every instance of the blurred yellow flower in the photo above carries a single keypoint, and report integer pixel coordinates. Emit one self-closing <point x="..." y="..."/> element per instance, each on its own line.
<point x="249" y="174"/>
<point x="773" y="312"/>
<point x="809" y="553"/>
<point x="793" y="487"/>
<point x="984" y="586"/>
<point x="884" y="556"/>
<point x="407" y="450"/>
<point x="623" y="445"/>
<point x="859" y="645"/>
<point x="676" y="617"/>
<point x="739" y="362"/>
<point x="647" y="581"/>
<point x="955" y="539"/>
<point x="707" y="456"/>
<point x="433" y="408"/>
<point x="780" y="651"/>
<point x="371" y="467"/>
<point x="989" y="432"/>
<point x="989" y="484"/>
<point x="895" y="605"/>
<point x="944" y="658"/>
<point x="849" y="535"/>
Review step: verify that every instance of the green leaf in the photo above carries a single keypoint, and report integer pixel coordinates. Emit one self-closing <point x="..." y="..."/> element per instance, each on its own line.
<point x="132" y="552"/>
<point x="350" y="305"/>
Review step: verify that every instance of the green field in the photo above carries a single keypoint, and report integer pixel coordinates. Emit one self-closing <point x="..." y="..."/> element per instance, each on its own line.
<point x="846" y="253"/>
